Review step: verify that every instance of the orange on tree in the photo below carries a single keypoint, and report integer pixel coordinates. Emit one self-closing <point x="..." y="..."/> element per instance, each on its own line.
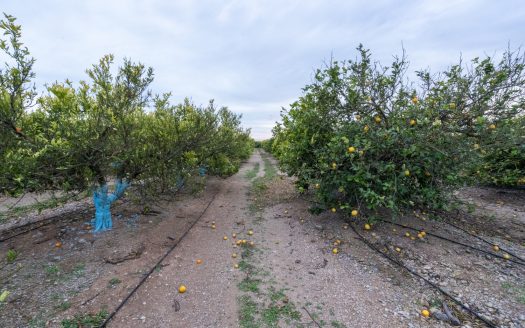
<point x="351" y="149"/>
<point x="412" y="122"/>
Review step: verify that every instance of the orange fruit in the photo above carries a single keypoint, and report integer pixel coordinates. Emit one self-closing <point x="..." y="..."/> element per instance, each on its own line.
<point x="425" y="313"/>
<point x="377" y="119"/>
<point x="398" y="249"/>
<point x="492" y="126"/>
<point x="234" y="255"/>
<point x="407" y="234"/>
<point x="368" y="226"/>
<point x="250" y="232"/>
<point x="58" y="244"/>
<point x="355" y="213"/>
<point x="412" y="122"/>
<point x="366" y="128"/>
<point x="317" y="186"/>
<point x="407" y="173"/>
<point x="225" y="237"/>
<point x="415" y="100"/>
<point x="234" y="235"/>
<point x="236" y="266"/>
<point x="334" y="166"/>
<point x="351" y="149"/>
<point x="452" y="106"/>
<point x="496" y="248"/>
<point x="199" y="261"/>
<point x="182" y="289"/>
<point x="423" y="233"/>
<point x="335" y="251"/>
<point x="506" y="256"/>
<point x="334" y="210"/>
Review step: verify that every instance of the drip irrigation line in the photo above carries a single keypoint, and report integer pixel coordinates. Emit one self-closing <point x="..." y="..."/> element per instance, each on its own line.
<point x="442" y="291"/>
<point x="147" y="275"/>
<point x="484" y="240"/>
<point x="49" y="220"/>
<point x="456" y="242"/>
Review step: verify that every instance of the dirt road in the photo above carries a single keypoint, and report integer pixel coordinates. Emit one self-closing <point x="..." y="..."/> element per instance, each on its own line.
<point x="284" y="274"/>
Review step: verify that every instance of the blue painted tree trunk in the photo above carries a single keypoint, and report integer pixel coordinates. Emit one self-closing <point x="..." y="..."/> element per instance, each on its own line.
<point x="103" y="200"/>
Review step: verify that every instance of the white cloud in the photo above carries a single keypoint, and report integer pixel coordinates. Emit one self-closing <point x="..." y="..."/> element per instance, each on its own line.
<point x="255" y="56"/>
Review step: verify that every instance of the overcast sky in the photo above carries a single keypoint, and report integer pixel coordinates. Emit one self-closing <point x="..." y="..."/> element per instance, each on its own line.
<point x="255" y="56"/>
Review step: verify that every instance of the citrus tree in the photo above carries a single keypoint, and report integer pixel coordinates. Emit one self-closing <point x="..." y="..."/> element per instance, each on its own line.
<point x="108" y="131"/>
<point x="367" y="138"/>
<point x="17" y="94"/>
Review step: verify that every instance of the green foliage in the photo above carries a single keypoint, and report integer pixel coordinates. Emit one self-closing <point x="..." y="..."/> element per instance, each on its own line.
<point x="89" y="320"/>
<point x="113" y="282"/>
<point x="109" y="127"/>
<point x="366" y="138"/>
<point x="501" y="155"/>
<point x="11" y="255"/>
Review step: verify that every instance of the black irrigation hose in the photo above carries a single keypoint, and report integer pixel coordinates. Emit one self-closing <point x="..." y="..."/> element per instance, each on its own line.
<point x="399" y="263"/>
<point x="38" y="224"/>
<point x="484" y="240"/>
<point x="146" y="276"/>
<point x="455" y="242"/>
<point x="42" y="223"/>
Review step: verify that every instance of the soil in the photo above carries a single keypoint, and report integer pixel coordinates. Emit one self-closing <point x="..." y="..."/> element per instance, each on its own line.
<point x="288" y="278"/>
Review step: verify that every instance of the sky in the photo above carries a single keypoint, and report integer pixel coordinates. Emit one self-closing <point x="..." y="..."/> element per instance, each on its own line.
<point x="255" y="56"/>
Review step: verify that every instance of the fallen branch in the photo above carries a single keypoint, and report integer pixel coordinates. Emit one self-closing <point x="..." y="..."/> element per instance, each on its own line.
<point x="134" y="254"/>
<point x="311" y="317"/>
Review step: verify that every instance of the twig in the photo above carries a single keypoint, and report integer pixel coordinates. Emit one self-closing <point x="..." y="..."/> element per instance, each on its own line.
<point x="311" y="317"/>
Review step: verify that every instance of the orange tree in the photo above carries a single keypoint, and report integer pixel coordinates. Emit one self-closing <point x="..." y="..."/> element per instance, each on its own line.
<point x="366" y="138"/>
<point x="108" y="130"/>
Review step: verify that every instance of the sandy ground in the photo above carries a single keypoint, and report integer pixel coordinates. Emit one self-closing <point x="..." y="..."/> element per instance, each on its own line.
<point x="288" y="278"/>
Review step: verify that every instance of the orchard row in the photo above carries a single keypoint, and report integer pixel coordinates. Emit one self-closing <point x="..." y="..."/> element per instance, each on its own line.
<point x="108" y="128"/>
<point x="365" y="137"/>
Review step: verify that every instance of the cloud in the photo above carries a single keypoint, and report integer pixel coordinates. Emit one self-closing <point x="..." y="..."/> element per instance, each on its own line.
<point x="255" y="56"/>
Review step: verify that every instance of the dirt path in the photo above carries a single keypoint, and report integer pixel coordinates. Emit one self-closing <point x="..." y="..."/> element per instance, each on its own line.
<point x="211" y="297"/>
<point x="288" y="277"/>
